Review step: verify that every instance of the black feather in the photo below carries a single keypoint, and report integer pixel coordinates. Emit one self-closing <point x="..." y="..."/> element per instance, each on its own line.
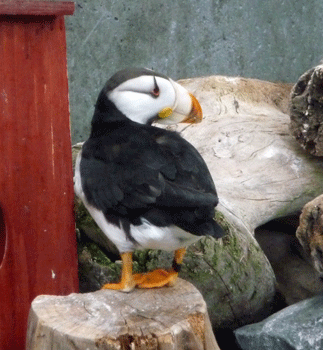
<point x="133" y="171"/>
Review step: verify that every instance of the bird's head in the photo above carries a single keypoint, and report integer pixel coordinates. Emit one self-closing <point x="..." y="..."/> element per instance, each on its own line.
<point x="145" y="96"/>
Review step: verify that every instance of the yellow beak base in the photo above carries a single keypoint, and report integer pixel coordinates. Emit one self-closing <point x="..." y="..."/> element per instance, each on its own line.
<point x="165" y="113"/>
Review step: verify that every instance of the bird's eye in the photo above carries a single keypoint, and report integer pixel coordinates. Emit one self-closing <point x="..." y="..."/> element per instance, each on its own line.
<point x="155" y="92"/>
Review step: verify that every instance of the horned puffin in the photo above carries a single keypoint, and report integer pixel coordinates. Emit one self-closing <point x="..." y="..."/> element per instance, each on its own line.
<point x="146" y="187"/>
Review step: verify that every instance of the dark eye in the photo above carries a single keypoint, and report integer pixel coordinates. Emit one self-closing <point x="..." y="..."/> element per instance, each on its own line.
<point x="155" y="92"/>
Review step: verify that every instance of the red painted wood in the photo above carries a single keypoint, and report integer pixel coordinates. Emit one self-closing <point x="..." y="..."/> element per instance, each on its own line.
<point x="37" y="8"/>
<point x="36" y="185"/>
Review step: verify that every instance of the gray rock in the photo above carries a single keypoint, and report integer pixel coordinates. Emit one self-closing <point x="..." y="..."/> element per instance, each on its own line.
<point x="297" y="327"/>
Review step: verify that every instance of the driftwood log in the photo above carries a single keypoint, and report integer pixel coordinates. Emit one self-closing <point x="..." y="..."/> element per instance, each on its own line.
<point x="306" y="111"/>
<point x="260" y="171"/>
<point x="163" y="319"/>
<point x="310" y="232"/>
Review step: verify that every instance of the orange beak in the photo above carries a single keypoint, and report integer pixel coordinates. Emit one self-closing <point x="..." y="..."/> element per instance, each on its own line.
<point x="196" y="114"/>
<point x="187" y="108"/>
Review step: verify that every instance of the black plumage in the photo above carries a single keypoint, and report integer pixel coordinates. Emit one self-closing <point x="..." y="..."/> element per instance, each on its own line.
<point x="146" y="187"/>
<point x="131" y="171"/>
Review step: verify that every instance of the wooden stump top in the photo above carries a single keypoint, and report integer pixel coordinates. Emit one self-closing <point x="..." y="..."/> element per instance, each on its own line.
<point x="161" y="319"/>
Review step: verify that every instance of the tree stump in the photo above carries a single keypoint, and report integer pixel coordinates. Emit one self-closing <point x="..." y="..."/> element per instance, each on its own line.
<point x="310" y="232"/>
<point x="306" y="111"/>
<point x="163" y="319"/>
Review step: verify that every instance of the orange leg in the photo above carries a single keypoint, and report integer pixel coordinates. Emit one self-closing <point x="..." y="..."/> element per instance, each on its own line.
<point x="160" y="277"/>
<point x="153" y="279"/>
<point x="127" y="283"/>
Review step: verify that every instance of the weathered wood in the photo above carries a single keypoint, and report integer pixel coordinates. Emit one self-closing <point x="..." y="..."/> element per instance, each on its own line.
<point x="310" y="232"/>
<point x="163" y="319"/>
<point x="260" y="172"/>
<point x="259" y="169"/>
<point x="37" y="226"/>
<point x="37" y="8"/>
<point x="306" y="112"/>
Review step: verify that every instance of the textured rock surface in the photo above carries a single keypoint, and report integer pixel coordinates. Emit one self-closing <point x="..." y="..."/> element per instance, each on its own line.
<point x="297" y="327"/>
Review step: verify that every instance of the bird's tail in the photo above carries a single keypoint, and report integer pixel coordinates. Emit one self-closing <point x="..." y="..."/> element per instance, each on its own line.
<point x="211" y="228"/>
<point x="218" y="231"/>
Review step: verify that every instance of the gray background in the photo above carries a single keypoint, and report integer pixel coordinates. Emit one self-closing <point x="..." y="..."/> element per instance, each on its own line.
<point x="273" y="40"/>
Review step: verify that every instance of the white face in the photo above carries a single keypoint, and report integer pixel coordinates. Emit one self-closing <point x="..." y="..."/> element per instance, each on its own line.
<point x="143" y="98"/>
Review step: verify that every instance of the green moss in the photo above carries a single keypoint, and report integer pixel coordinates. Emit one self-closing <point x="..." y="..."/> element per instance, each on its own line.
<point x="97" y="255"/>
<point x="82" y="216"/>
<point x="257" y="254"/>
<point x="221" y="220"/>
<point x="234" y="247"/>
<point x="140" y="260"/>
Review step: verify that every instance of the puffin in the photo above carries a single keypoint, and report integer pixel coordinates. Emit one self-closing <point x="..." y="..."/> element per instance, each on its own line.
<point x="146" y="187"/>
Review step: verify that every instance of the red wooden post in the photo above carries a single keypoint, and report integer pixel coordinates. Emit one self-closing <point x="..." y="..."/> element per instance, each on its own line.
<point x="37" y="232"/>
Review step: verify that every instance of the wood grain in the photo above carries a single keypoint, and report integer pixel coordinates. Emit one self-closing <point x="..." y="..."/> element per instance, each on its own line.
<point x="36" y="187"/>
<point x="306" y="112"/>
<point x="163" y="319"/>
<point x="260" y="171"/>
<point x="32" y="8"/>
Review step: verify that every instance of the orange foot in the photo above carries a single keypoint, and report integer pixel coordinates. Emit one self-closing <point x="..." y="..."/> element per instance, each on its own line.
<point x="127" y="283"/>
<point x="155" y="279"/>
<point x="123" y="287"/>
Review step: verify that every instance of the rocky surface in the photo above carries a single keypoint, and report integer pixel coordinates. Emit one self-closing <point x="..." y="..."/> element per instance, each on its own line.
<point x="297" y="327"/>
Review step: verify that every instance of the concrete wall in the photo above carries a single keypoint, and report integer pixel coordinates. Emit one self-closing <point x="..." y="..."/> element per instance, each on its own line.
<point x="274" y="40"/>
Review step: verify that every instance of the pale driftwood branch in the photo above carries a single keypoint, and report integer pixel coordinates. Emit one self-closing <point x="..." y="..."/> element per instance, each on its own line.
<point x="260" y="171"/>
<point x="163" y="319"/>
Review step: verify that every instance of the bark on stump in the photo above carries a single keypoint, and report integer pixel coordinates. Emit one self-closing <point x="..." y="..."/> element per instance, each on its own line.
<point x="310" y="232"/>
<point x="164" y="319"/>
<point x="306" y="111"/>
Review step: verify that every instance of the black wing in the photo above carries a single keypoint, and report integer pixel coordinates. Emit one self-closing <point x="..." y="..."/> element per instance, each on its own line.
<point x="143" y="171"/>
